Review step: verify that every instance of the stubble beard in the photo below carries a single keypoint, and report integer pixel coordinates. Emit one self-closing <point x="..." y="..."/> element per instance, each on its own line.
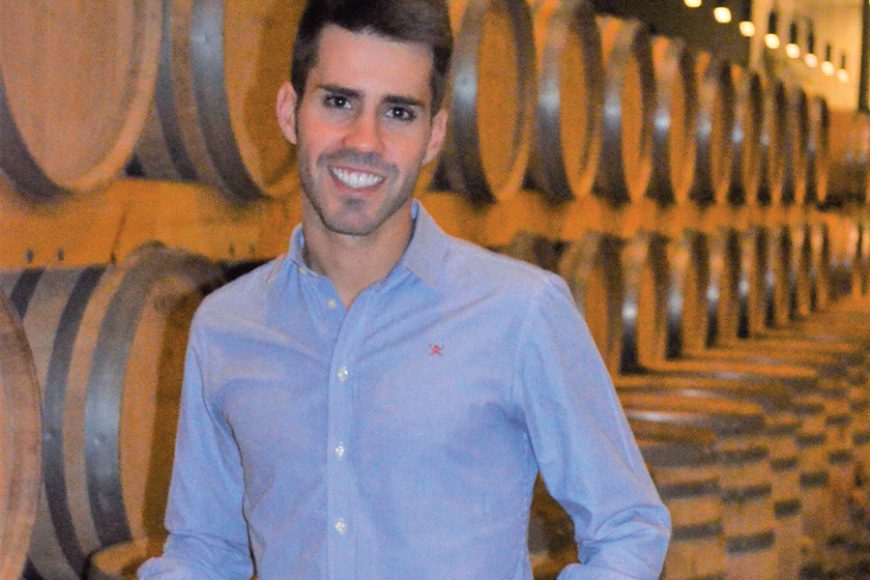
<point x="334" y="224"/>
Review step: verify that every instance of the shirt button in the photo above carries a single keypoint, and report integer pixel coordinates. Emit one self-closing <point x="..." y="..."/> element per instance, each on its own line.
<point x="341" y="526"/>
<point x="342" y="374"/>
<point x="331" y="303"/>
<point x="339" y="450"/>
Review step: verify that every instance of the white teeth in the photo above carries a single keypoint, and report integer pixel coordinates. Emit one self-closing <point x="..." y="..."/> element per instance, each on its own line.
<point x="356" y="179"/>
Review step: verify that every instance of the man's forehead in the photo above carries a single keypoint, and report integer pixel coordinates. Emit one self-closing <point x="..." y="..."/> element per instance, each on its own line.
<point x="366" y="61"/>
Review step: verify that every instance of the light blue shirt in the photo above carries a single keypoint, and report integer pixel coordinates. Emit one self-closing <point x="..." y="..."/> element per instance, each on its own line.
<point x="401" y="438"/>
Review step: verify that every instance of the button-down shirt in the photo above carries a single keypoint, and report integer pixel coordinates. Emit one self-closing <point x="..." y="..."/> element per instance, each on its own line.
<point x="400" y="438"/>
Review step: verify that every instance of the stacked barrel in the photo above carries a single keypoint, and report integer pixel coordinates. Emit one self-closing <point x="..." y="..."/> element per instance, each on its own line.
<point x="708" y="219"/>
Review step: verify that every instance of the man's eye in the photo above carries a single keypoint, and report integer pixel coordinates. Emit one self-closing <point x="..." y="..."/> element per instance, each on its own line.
<point x="336" y="102"/>
<point x="401" y="114"/>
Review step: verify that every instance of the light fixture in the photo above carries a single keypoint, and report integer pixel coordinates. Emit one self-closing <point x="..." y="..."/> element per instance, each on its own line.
<point x="842" y="73"/>
<point x="771" y="40"/>
<point x="827" y="66"/>
<point x="792" y="49"/>
<point x="693" y="3"/>
<point x="722" y="13"/>
<point x="746" y="26"/>
<point x="810" y="57"/>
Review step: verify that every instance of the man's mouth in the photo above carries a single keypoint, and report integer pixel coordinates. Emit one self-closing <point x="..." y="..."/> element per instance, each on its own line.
<point x="356" y="179"/>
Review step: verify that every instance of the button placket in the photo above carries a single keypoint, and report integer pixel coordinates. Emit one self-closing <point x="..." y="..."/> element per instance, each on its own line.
<point x="340" y="476"/>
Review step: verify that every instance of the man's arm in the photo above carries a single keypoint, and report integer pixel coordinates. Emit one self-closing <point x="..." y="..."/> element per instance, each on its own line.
<point x="584" y="446"/>
<point x="208" y="536"/>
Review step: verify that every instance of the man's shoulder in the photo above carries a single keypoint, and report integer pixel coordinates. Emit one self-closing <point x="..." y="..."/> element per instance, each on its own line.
<point x="244" y="296"/>
<point x="469" y="265"/>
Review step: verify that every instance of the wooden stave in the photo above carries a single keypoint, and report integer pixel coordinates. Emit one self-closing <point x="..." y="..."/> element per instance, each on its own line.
<point x="19" y="389"/>
<point x="625" y="40"/>
<point x="461" y="166"/>
<point x="190" y="134"/>
<point x="673" y="178"/>
<point x="20" y="168"/>
<point x="714" y="151"/>
<point x="549" y="170"/>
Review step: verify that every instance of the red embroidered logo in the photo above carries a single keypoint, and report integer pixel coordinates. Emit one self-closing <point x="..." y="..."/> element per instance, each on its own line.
<point x="435" y="350"/>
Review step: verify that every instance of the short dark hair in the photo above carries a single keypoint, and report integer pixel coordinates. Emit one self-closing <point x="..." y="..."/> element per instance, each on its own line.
<point x="426" y="22"/>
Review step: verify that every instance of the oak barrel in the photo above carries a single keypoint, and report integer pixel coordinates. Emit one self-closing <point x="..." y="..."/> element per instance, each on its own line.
<point x="110" y="344"/>
<point x="773" y="142"/>
<point x="818" y="150"/>
<point x="48" y="150"/>
<point x="781" y="436"/>
<point x="486" y="152"/>
<point x="567" y="137"/>
<point x="683" y="462"/>
<point x="675" y="122"/>
<point x="688" y="309"/>
<point x="20" y="441"/>
<point x="213" y="120"/>
<point x="715" y="150"/>
<point x="797" y="136"/>
<point x="723" y="286"/>
<point x="745" y="476"/>
<point x="746" y="137"/>
<point x="591" y="267"/>
<point x="629" y="107"/>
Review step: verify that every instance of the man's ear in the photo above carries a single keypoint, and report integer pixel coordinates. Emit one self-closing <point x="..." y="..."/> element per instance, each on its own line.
<point x="285" y="108"/>
<point x="436" y="139"/>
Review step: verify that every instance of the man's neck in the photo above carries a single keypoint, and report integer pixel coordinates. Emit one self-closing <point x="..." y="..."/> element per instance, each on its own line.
<point x="353" y="263"/>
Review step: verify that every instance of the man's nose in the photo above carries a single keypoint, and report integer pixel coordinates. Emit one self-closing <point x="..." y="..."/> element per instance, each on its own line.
<point x="364" y="134"/>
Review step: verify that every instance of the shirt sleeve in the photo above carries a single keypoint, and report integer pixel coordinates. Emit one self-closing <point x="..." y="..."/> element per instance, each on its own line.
<point x="208" y="536"/>
<point x="584" y="447"/>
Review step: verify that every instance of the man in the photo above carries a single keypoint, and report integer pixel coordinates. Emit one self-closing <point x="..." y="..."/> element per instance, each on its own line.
<point x="376" y="403"/>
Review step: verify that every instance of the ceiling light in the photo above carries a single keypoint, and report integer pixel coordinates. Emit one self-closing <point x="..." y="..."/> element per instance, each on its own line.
<point x="842" y="73"/>
<point x="810" y="57"/>
<point x="722" y="13"/>
<point x="827" y="66"/>
<point x="771" y="40"/>
<point x="746" y="26"/>
<point x="792" y="49"/>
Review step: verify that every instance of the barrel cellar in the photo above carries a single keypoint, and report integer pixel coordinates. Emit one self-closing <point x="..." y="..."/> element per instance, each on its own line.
<point x="702" y="193"/>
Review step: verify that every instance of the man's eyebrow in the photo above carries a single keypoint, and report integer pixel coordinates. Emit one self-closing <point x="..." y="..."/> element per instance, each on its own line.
<point x="407" y="101"/>
<point x="389" y="99"/>
<point x="343" y="91"/>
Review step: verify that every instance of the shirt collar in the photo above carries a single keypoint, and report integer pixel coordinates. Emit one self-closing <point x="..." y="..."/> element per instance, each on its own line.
<point x="423" y="256"/>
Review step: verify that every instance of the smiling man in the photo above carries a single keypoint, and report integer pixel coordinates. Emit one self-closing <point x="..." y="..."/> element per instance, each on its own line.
<point x="377" y="403"/>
